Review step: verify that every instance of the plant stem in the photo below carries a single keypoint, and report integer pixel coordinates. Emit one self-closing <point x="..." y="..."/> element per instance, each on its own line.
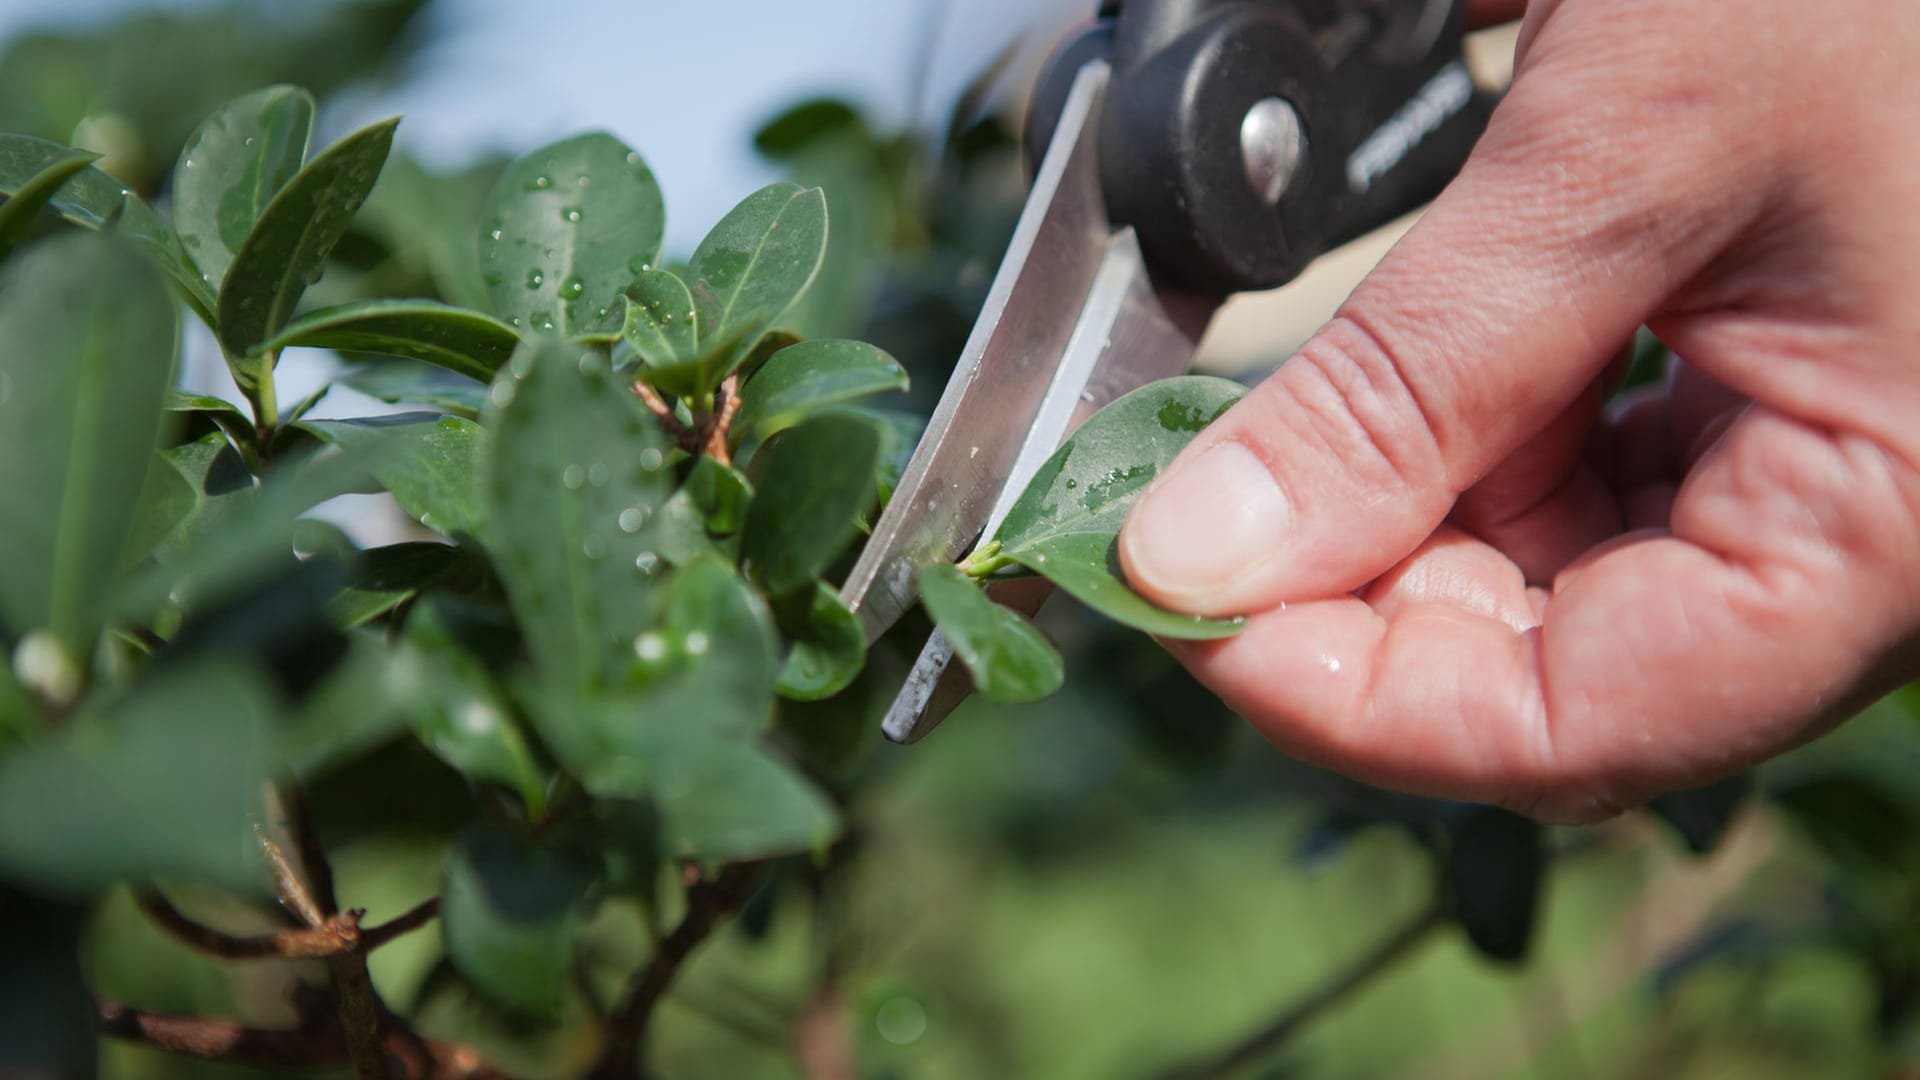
<point x="421" y="914"/>
<point x="707" y="902"/>
<point x="337" y="934"/>
<point x="1276" y="1033"/>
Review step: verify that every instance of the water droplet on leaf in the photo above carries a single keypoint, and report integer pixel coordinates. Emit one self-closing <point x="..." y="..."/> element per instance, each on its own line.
<point x="573" y="476"/>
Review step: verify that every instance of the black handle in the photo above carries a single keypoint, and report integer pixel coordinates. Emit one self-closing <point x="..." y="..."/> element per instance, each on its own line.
<point x="1242" y="138"/>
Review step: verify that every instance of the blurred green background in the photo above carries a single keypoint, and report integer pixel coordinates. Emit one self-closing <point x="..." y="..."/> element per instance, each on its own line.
<point x="1118" y="882"/>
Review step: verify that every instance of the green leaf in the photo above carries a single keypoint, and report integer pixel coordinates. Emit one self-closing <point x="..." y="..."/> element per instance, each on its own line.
<point x="511" y="911"/>
<point x="1065" y="523"/>
<point x="568" y="228"/>
<point x="721" y="493"/>
<point x="577" y="472"/>
<point x="365" y="702"/>
<point x="461" y="716"/>
<point x="748" y="271"/>
<point x="829" y="648"/>
<point x="161" y="783"/>
<point x="90" y="336"/>
<point x="1493" y="870"/>
<point x="716" y="641"/>
<point x="166" y="500"/>
<point x="17" y="214"/>
<point x="1011" y="661"/>
<point x="801" y="379"/>
<point x="406" y="382"/>
<point x="232" y="167"/>
<point x="727" y="800"/>
<point x="819" y="475"/>
<point x="92" y="198"/>
<point x="211" y="412"/>
<point x="239" y="532"/>
<point x="662" y="326"/>
<point x="459" y="340"/>
<point x="386" y="577"/>
<point x="288" y="247"/>
<point x="431" y="464"/>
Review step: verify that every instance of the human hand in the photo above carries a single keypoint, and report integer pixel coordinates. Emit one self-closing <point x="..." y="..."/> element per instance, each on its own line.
<point x="1464" y="579"/>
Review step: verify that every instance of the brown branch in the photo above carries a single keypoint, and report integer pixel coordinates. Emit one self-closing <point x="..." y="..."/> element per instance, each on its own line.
<point x="688" y="439"/>
<point x="719" y="425"/>
<point x="422" y="914"/>
<point x="339" y="933"/>
<point x="1277" y="1032"/>
<point x="707" y="903"/>
<point x="316" y="1044"/>
<point x="363" y="1017"/>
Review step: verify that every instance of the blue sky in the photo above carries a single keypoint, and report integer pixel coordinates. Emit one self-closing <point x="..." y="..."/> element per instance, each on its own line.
<point x="684" y="82"/>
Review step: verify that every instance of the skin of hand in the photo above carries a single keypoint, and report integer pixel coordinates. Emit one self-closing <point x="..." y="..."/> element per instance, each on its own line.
<point x="1467" y="578"/>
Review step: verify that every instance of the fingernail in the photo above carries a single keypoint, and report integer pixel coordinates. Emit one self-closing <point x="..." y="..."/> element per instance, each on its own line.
<point x="1206" y="525"/>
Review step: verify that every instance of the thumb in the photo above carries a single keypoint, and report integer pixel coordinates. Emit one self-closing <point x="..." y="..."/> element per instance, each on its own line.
<point x="1571" y="222"/>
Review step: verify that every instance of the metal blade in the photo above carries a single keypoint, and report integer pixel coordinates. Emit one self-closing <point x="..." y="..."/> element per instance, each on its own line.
<point x="961" y="466"/>
<point x="1128" y="334"/>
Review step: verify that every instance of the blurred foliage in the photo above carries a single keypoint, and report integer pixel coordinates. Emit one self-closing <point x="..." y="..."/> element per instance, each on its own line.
<point x="1117" y="881"/>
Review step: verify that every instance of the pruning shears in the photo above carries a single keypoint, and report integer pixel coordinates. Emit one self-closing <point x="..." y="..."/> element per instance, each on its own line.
<point x="1187" y="150"/>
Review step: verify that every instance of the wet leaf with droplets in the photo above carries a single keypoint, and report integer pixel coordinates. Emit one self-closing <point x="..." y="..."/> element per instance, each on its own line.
<point x="460" y="714"/>
<point x="751" y="268"/>
<point x="1065" y="523"/>
<point x="662" y="324"/>
<point x="289" y="245"/>
<point x="1011" y="662"/>
<point x="22" y="208"/>
<point x="557" y="254"/>
<point x="406" y="382"/>
<point x="232" y="167"/>
<point x="454" y="338"/>
<point x="574" y="574"/>
<point x="91" y="198"/>
<point x="431" y="464"/>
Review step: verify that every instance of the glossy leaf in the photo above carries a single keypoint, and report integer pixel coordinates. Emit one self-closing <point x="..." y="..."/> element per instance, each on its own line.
<point x="17" y="214"/>
<point x="459" y="340"/>
<point x="568" y="228"/>
<point x="378" y="687"/>
<point x="166" y="500"/>
<point x="728" y="800"/>
<point x="577" y="472"/>
<point x="510" y="911"/>
<point x="92" y="198"/>
<point x="289" y="245"/>
<point x="1493" y="870"/>
<point x="1065" y="523"/>
<point x="803" y="378"/>
<point x="829" y="648"/>
<point x="1011" y="662"/>
<point x="662" y="327"/>
<point x="751" y="268"/>
<point x="162" y="782"/>
<point x="386" y="577"/>
<point x="431" y="464"/>
<point x="232" y="167"/>
<point x="90" y="336"/>
<point x="404" y="382"/>
<point x="463" y="719"/>
<point x="211" y="413"/>
<point x="819" y="475"/>
<point x="721" y="493"/>
<point x="239" y="531"/>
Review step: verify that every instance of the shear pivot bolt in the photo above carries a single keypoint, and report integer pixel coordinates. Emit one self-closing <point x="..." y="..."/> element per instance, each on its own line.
<point x="1272" y="145"/>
